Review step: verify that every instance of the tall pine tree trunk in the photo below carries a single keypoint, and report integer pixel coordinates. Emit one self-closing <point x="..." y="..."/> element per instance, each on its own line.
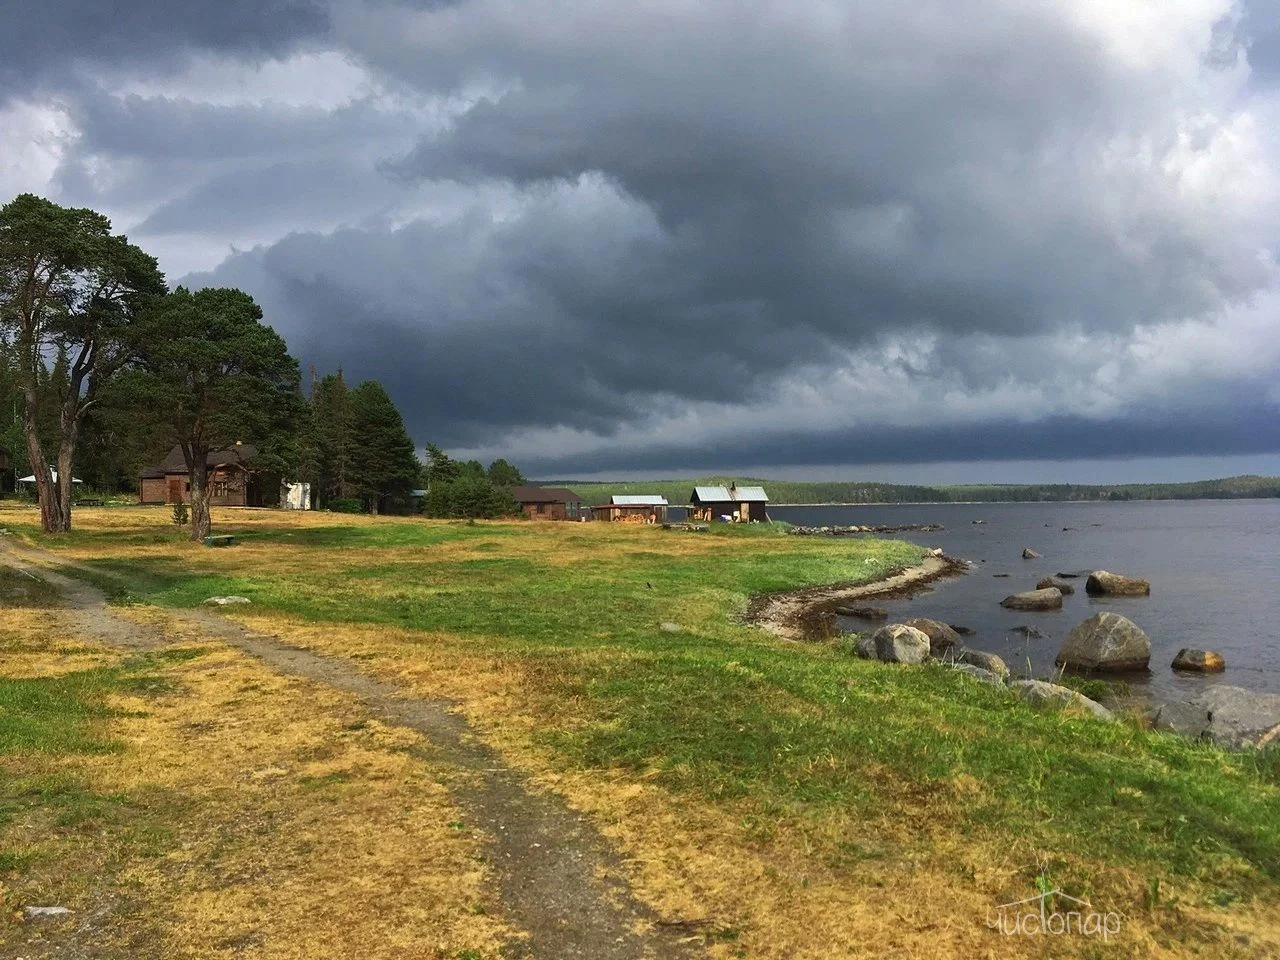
<point x="201" y="523"/>
<point x="66" y="457"/>
<point x="52" y="519"/>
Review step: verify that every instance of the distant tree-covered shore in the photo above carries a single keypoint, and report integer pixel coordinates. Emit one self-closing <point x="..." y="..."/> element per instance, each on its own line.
<point x="803" y="492"/>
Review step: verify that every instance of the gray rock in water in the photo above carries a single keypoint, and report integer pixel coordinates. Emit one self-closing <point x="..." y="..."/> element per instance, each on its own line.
<point x="227" y="601"/>
<point x="1073" y="574"/>
<point x="982" y="659"/>
<point x="898" y="643"/>
<point x="1041" y="692"/>
<point x="1231" y="717"/>
<point x="941" y="637"/>
<point x="1049" y="599"/>
<point x="1106" y="642"/>
<point x="1061" y="586"/>
<point x="984" y="676"/>
<point x="1029" y="554"/>
<point x="1101" y="583"/>
<point x="1199" y="661"/>
<point x="962" y="630"/>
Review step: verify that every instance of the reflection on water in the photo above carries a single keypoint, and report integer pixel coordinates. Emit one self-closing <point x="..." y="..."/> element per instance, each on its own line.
<point x="1213" y="567"/>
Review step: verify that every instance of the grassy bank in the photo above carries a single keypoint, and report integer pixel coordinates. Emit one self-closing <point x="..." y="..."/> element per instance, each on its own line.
<point x="770" y="785"/>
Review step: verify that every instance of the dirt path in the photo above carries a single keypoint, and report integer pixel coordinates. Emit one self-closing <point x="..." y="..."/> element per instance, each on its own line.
<point x="559" y="881"/>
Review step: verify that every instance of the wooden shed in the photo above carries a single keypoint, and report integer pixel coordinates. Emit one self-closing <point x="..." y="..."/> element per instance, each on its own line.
<point x="753" y="503"/>
<point x="707" y="504"/>
<point x="632" y="508"/>
<point x="547" y="503"/>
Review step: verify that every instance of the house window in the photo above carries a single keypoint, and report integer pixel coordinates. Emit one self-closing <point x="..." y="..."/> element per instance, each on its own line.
<point x="219" y="488"/>
<point x="542" y="508"/>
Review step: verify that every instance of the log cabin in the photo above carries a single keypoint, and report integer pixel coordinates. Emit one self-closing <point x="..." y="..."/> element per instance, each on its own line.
<point x="547" y="503"/>
<point x="233" y="481"/>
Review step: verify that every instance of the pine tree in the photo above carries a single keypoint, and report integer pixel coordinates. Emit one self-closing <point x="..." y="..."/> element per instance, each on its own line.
<point x="383" y="463"/>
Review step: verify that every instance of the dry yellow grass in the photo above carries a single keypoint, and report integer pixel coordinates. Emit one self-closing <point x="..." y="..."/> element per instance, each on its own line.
<point x="267" y="818"/>
<point x="793" y="887"/>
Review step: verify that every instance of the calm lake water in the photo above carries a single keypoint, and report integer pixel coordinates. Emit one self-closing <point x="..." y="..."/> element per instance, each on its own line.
<point x="1214" y="568"/>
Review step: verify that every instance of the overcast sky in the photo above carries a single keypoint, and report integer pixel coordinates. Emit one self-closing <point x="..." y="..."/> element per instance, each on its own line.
<point x="940" y="240"/>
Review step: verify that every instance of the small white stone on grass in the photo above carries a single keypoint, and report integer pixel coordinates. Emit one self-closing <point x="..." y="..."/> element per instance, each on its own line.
<point x="669" y="627"/>
<point x="227" y="601"/>
<point x="34" y="913"/>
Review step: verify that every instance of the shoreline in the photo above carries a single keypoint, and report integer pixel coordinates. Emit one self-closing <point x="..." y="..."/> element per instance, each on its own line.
<point x="796" y="614"/>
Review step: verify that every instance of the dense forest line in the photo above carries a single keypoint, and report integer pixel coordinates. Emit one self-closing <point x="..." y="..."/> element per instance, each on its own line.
<point x="804" y="492"/>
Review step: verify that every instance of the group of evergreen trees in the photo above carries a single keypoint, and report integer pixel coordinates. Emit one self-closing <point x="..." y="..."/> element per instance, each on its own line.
<point x="103" y="370"/>
<point x="355" y="450"/>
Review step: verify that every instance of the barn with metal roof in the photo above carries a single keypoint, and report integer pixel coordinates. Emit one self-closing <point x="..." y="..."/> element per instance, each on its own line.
<point x="708" y="503"/>
<point x="632" y="508"/>
<point x="753" y="503"/>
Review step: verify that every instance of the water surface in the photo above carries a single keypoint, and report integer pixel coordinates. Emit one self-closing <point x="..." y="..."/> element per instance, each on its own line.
<point x="1214" y="568"/>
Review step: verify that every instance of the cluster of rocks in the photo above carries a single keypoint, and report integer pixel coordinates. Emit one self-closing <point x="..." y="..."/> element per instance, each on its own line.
<point x="923" y="640"/>
<point x="1105" y="643"/>
<point x="1049" y="591"/>
<point x="838" y="531"/>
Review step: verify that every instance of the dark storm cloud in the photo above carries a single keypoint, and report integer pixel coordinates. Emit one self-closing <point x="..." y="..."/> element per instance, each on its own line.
<point x="43" y="41"/>
<point x="1227" y="431"/>
<point x="594" y="216"/>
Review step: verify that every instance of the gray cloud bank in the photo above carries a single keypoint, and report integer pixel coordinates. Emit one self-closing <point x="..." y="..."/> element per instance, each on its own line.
<point x="678" y="234"/>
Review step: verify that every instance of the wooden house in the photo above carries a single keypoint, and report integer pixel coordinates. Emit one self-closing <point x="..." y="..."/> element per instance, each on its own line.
<point x="707" y="504"/>
<point x="753" y="503"/>
<point x="632" y="508"/>
<point x="547" y="503"/>
<point x="233" y="481"/>
<point x="738" y="504"/>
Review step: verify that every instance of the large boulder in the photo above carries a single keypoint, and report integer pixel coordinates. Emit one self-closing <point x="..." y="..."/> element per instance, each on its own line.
<point x="941" y="636"/>
<point x="1229" y="716"/>
<point x="899" y="643"/>
<point x="982" y="660"/>
<point x="1106" y="642"/>
<point x="1061" y="586"/>
<point x="1048" y="599"/>
<point x="1040" y="692"/>
<point x="1029" y="554"/>
<point x="1101" y="583"/>
<point x="1199" y="661"/>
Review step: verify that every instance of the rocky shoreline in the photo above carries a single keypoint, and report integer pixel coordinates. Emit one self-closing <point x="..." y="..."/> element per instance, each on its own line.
<point x="1228" y="716"/>
<point x="838" y="531"/>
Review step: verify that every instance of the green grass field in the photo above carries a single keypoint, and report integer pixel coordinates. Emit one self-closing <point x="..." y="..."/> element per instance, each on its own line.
<point x="558" y="625"/>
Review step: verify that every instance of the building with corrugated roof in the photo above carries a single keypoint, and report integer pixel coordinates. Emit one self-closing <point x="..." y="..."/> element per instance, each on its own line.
<point x="632" y="508"/>
<point x="708" y="503"/>
<point x="738" y="504"/>
<point x="752" y="501"/>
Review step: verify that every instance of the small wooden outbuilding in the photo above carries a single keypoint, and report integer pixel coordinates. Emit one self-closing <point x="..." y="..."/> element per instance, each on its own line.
<point x="753" y="503"/>
<point x="547" y="503"/>
<point x="707" y="504"/>
<point x="738" y="504"/>
<point x="632" y="508"/>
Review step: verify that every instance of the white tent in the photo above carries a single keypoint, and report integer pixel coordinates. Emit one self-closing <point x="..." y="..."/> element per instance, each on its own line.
<point x="52" y="473"/>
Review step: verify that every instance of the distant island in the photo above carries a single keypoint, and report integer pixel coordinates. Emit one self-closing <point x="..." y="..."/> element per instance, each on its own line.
<point x="804" y="492"/>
